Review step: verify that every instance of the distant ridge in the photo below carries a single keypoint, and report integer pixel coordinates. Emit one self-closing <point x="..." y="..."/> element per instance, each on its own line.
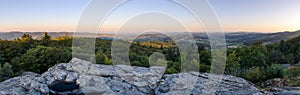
<point x="233" y="38"/>
<point x="35" y="35"/>
<point x="38" y="35"/>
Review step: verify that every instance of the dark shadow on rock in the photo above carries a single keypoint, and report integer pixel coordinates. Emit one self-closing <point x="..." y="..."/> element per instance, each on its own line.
<point x="65" y="88"/>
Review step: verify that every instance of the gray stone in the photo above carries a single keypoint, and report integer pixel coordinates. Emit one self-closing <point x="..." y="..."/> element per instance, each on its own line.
<point x="140" y="76"/>
<point x="71" y="77"/>
<point x="27" y="83"/>
<point x="129" y="80"/>
<point x="229" y="85"/>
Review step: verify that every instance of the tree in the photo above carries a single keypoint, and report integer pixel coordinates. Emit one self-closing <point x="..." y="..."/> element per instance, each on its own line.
<point x="108" y="60"/>
<point x="276" y="56"/>
<point x="253" y="56"/>
<point x="66" y="37"/>
<point x="204" y="68"/>
<point x="101" y="58"/>
<point x="282" y="46"/>
<point x="45" y="41"/>
<point x="6" y="71"/>
<point x="39" y="59"/>
<point x="1" y="59"/>
<point x="46" y="37"/>
<point x="257" y="43"/>
<point x="27" y="41"/>
<point x="205" y="57"/>
<point x="290" y="58"/>
<point x="1" y="78"/>
<point x="17" y="39"/>
<point x="26" y="37"/>
<point x="254" y="74"/>
<point x="161" y="46"/>
<point x="173" y="67"/>
<point x="275" y="71"/>
<point x="232" y="64"/>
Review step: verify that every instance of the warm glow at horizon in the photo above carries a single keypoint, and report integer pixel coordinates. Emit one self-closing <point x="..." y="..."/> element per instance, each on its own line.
<point x="234" y="16"/>
<point x="38" y="28"/>
<point x="226" y="28"/>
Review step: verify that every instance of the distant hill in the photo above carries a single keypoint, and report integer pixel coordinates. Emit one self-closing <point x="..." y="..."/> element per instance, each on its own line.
<point x="233" y="39"/>
<point x="266" y="38"/>
<point x="35" y="35"/>
<point x="247" y="38"/>
<point x="39" y="35"/>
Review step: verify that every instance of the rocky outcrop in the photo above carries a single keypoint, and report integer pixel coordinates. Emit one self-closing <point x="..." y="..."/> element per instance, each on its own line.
<point x="27" y="83"/>
<point x="97" y="79"/>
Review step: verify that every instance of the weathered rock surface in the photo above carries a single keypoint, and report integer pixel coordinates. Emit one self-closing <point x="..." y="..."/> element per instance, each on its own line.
<point x="123" y="80"/>
<point x="28" y="83"/>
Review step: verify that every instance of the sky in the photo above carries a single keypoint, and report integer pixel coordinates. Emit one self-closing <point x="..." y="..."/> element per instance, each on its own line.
<point x="234" y="15"/>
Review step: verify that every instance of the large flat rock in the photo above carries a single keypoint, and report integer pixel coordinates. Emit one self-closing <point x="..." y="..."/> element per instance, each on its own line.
<point x="125" y="80"/>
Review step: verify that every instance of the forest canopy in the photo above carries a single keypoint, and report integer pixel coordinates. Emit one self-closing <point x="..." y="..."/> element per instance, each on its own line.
<point x="255" y="63"/>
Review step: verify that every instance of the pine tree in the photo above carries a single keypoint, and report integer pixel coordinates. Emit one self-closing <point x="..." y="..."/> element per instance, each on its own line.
<point x="46" y="37"/>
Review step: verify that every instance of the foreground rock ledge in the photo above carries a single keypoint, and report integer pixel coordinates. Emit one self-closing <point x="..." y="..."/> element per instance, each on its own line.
<point x="105" y="80"/>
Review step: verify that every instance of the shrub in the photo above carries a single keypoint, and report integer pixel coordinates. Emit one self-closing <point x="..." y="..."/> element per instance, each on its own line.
<point x="275" y="71"/>
<point x="254" y="75"/>
<point x="6" y="71"/>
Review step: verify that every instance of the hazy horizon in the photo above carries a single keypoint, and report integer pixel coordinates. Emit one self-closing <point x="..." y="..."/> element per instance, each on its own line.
<point x="153" y="31"/>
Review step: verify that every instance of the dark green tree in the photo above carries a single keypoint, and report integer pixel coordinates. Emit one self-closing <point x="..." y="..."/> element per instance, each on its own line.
<point x="27" y="41"/>
<point x="46" y="37"/>
<point x="275" y="71"/>
<point x="232" y="64"/>
<point x="257" y="43"/>
<point x="2" y="60"/>
<point x="6" y="71"/>
<point x="39" y="59"/>
<point x="101" y="58"/>
<point x="255" y="74"/>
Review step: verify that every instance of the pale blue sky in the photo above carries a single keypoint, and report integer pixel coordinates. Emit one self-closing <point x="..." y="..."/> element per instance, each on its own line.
<point x="235" y="15"/>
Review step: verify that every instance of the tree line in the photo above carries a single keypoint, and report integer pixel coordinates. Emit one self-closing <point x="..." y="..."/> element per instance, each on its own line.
<point x="255" y="63"/>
